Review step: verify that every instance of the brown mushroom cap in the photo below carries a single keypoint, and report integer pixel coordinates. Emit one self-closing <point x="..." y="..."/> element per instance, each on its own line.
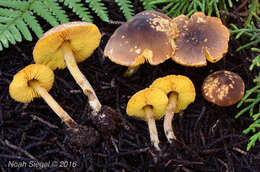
<point x="223" y="88"/>
<point x="201" y="37"/>
<point x="149" y="35"/>
<point x="83" y="39"/>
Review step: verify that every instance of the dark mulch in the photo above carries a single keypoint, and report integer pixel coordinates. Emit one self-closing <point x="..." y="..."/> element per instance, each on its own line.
<point x="210" y="139"/>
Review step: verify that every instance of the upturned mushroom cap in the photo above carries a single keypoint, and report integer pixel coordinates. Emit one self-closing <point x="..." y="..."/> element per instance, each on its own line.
<point x="223" y="88"/>
<point x="201" y="37"/>
<point x="181" y="85"/>
<point x="148" y="97"/>
<point x="82" y="37"/>
<point x="20" y="89"/>
<point x="149" y="35"/>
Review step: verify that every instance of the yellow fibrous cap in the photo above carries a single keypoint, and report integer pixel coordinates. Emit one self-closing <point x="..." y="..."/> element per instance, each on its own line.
<point x="83" y="39"/>
<point x="181" y="85"/>
<point x="20" y="89"/>
<point x="153" y="97"/>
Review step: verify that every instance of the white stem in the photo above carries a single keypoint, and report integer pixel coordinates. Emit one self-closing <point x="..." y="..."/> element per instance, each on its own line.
<point x="152" y="127"/>
<point x="167" y="123"/>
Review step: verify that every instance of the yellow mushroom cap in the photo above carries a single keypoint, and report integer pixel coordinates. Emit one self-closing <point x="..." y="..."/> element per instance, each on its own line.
<point x="20" y="89"/>
<point x="148" y="97"/>
<point x="181" y="85"/>
<point x="82" y="37"/>
<point x="148" y="36"/>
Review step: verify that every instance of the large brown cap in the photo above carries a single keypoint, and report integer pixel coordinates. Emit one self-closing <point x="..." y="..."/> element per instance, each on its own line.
<point x="149" y="35"/>
<point x="201" y="37"/>
<point x="223" y="88"/>
<point x="83" y="39"/>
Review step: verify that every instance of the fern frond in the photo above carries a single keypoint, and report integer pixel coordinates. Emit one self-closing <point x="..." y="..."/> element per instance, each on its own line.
<point x="42" y="10"/>
<point x="99" y="8"/>
<point x="126" y="7"/>
<point x="78" y="8"/>
<point x="33" y="23"/>
<point x="15" y="4"/>
<point x="147" y="5"/>
<point x="177" y="7"/>
<point x="56" y="10"/>
<point x="23" y="28"/>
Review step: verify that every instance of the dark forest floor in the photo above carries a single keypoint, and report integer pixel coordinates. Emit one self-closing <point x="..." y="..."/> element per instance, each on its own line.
<point x="210" y="139"/>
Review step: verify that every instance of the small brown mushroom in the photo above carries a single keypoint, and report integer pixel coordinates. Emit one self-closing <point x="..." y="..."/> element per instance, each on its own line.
<point x="148" y="36"/>
<point x="223" y="88"/>
<point x="201" y="37"/>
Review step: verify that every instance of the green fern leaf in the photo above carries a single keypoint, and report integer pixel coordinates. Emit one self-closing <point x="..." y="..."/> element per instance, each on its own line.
<point x="126" y="7"/>
<point x="78" y="8"/>
<point x="56" y="10"/>
<point x="40" y="8"/>
<point x="33" y="24"/>
<point x="15" y="32"/>
<point x="147" y="5"/>
<point x="23" y="28"/>
<point x="99" y="8"/>
<point x="15" y="4"/>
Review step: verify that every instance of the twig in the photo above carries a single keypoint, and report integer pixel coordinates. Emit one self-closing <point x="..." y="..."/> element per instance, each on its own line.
<point x="239" y="150"/>
<point x="7" y="143"/>
<point x="114" y="144"/>
<point x="43" y="121"/>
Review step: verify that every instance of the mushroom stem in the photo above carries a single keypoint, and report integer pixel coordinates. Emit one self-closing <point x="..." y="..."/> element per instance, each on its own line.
<point x="152" y="127"/>
<point x="53" y="104"/>
<point x="167" y="123"/>
<point x="80" y="78"/>
<point x="131" y="70"/>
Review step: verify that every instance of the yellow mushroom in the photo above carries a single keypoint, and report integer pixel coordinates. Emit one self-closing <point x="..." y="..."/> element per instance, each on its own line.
<point x="181" y="92"/>
<point x="150" y="105"/>
<point x="64" y="46"/>
<point x="35" y="81"/>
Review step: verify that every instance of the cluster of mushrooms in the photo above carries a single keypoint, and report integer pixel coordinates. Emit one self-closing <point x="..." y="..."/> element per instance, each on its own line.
<point x="149" y="36"/>
<point x="154" y="37"/>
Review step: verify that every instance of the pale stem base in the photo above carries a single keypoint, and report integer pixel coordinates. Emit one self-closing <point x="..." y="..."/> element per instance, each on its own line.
<point x="130" y="71"/>
<point x="152" y="127"/>
<point x="80" y="78"/>
<point x="167" y="123"/>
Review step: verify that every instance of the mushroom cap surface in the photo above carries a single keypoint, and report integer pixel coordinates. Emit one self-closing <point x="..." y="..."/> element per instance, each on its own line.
<point x="82" y="37"/>
<point x="201" y="37"/>
<point x="20" y="89"/>
<point x="223" y="88"/>
<point x="148" y="36"/>
<point x="153" y="97"/>
<point x="181" y="85"/>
